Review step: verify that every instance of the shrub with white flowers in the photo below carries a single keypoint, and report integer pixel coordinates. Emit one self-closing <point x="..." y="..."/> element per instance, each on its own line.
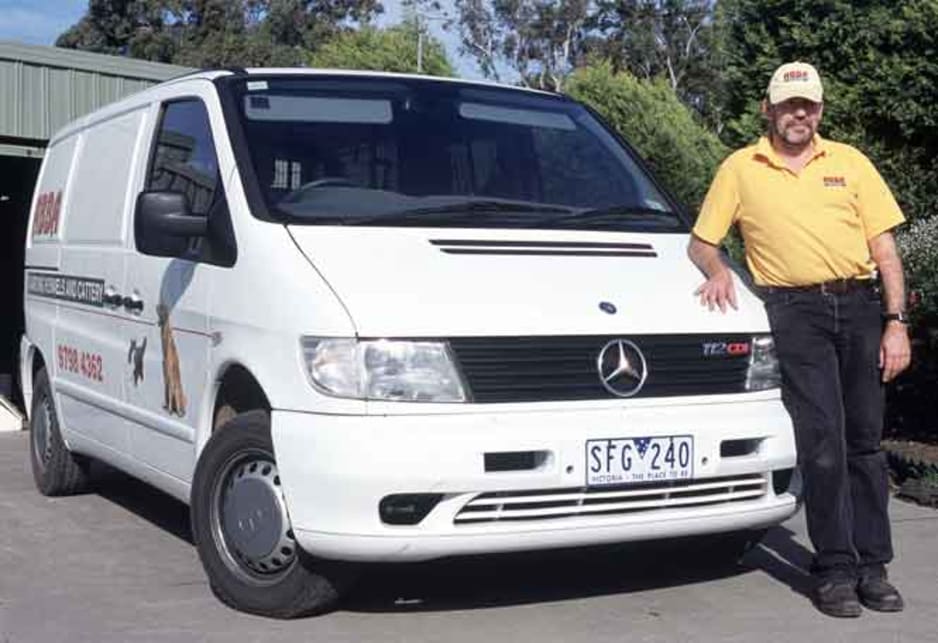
<point x="918" y="245"/>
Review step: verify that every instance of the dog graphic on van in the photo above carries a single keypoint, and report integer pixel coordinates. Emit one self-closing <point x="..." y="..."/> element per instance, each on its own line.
<point x="135" y="357"/>
<point x="174" y="400"/>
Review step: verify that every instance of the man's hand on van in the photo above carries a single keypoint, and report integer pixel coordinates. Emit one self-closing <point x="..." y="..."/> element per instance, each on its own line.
<point x="718" y="291"/>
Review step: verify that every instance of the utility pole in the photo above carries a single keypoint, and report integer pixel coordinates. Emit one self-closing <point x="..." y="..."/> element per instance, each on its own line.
<point x="419" y="44"/>
<point x="421" y="16"/>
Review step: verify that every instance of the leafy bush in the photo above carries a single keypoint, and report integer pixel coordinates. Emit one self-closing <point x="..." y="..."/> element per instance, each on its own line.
<point x="681" y="152"/>
<point x="912" y="410"/>
<point x="918" y="245"/>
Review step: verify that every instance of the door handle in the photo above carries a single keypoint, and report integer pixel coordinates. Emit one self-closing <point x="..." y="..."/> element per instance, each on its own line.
<point x="133" y="303"/>
<point x="112" y="298"/>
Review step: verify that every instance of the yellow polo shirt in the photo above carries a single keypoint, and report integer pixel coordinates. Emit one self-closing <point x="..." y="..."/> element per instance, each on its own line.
<point x="804" y="228"/>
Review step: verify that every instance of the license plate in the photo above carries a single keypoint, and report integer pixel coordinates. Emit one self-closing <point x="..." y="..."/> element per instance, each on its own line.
<point x="628" y="460"/>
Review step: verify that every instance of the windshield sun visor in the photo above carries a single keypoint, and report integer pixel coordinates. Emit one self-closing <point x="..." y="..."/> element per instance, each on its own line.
<point x="514" y="116"/>
<point x="266" y="107"/>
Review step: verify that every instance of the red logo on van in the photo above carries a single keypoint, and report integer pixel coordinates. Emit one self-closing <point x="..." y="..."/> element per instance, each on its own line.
<point x="722" y="349"/>
<point x="47" y="214"/>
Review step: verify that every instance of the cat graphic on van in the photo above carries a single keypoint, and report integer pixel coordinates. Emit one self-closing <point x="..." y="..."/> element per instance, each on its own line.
<point x="135" y="357"/>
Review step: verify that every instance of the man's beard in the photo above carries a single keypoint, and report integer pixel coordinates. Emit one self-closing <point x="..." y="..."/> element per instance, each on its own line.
<point x="799" y="140"/>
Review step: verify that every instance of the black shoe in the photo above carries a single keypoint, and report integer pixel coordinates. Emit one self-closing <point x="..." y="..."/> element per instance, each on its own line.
<point x="837" y="597"/>
<point x="877" y="593"/>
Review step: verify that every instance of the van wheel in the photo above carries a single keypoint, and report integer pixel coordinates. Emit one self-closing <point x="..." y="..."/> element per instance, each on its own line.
<point x="56" y="470"/>
<point x="242" y="529"/>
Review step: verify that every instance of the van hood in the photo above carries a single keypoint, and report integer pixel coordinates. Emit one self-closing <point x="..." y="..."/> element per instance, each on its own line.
<point x="423" y="282"/>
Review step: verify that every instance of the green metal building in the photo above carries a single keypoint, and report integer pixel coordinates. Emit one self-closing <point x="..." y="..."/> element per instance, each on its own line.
<point x="42" y="89"/>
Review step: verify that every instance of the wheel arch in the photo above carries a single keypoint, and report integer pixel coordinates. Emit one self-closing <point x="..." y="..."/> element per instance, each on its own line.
<point x="32" y="361"/>
<point x="238" y="389"/>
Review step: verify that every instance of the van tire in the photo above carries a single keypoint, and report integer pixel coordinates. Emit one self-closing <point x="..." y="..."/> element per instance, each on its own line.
<point x="56" y="470"/>
<point x="239" y="455"/>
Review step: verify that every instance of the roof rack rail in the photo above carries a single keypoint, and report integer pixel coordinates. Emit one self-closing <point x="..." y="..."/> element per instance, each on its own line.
<point x="237" y="71"/>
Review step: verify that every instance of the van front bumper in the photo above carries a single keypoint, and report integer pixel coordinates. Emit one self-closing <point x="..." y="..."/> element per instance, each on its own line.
<point x="336" y="469"/>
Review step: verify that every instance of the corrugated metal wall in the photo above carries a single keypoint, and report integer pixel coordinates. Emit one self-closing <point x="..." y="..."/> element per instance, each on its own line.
<point x="43" y="88"/>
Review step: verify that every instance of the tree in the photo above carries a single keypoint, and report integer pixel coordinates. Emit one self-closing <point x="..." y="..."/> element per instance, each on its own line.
<point x="682" y="153"/>
<point x="393" y="49"/>
<point x="538" y="40"/>
<point x="135" y="28"/>
<point x="264" y="33"/>
<point x="877" y="59"/>
<point x="541" y="42"/>
<point x="311" y="23"/>
<point x="653" y="38"/>
<point x="670" y="39"/>
<point x="216" y="33"/>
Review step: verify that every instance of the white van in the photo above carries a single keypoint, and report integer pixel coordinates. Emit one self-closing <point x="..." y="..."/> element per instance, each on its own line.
<point x="364" y="317"/>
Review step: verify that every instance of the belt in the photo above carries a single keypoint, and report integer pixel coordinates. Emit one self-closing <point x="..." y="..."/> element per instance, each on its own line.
<point x="832" y="287"/>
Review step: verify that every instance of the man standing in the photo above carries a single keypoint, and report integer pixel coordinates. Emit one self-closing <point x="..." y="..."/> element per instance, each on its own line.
<point x="816" y="218"/>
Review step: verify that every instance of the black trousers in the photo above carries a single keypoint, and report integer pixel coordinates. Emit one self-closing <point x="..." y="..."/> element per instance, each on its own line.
<point x="828" y="350"/>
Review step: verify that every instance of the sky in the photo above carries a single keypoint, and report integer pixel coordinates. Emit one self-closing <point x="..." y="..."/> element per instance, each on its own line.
<point x="39" y="22"/>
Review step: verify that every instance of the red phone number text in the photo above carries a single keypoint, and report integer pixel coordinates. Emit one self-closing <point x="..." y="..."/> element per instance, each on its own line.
<point x="87" y="365"/>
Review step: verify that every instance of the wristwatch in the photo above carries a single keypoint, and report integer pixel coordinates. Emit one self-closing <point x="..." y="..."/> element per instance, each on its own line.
<point x="900" y="317"/>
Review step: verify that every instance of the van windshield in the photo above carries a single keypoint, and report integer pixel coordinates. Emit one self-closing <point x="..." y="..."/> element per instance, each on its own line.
<point x="399" y="152"/>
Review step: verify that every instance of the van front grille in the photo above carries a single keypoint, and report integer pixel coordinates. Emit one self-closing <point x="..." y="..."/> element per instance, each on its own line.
<point x="556" y="368"/>
<point x="570" y="503"/>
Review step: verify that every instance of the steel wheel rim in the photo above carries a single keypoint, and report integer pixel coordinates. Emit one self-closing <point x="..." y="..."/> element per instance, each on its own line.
<point x="42" y="433"/>
<point x="249" y="521"/>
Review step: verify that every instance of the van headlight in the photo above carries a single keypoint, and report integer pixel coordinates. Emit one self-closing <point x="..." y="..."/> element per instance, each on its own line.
<point x="763" y="372"/>
<point x="383" y="369"/>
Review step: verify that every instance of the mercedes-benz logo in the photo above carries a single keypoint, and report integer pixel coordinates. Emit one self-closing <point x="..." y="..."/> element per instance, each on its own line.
<point x="622" y="368"/>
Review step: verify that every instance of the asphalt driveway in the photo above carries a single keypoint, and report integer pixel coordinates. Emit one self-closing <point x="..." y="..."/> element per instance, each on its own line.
<point x="118" y="565"/>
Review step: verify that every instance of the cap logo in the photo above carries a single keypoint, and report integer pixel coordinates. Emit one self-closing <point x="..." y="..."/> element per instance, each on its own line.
<point x="795" y="76"/>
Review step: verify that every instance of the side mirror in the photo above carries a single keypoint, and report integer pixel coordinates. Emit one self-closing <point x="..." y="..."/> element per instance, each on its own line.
<point x="164" y="224"/>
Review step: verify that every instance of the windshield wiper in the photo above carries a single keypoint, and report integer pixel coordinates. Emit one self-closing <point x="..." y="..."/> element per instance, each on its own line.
<point x="453" y="212"/>
<point x="621" y="214"/>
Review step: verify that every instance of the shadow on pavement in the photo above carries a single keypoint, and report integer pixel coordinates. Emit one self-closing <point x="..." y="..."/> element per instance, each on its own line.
<point x="540" y="577"/>
<point x="154" y="506"/>
<point x="514" y="579"/>
<point x="783" y="558"/>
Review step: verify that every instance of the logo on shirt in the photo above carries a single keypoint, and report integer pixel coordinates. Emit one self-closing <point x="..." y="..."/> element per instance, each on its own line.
<point x="835" y="182"/>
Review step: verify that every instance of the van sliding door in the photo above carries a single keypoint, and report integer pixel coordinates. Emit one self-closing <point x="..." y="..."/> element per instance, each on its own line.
<point x="90" y="358"/>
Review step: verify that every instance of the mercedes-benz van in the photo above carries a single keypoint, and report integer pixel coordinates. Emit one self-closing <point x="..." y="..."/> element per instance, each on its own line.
<point x="357" y="317"/>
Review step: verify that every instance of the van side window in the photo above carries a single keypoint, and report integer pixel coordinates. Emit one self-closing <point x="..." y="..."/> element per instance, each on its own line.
<point x="184" y="160"/>
<point x="100" y="181"/>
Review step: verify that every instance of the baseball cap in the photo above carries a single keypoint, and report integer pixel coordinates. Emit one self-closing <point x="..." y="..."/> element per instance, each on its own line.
<point x="795" y="80"/>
